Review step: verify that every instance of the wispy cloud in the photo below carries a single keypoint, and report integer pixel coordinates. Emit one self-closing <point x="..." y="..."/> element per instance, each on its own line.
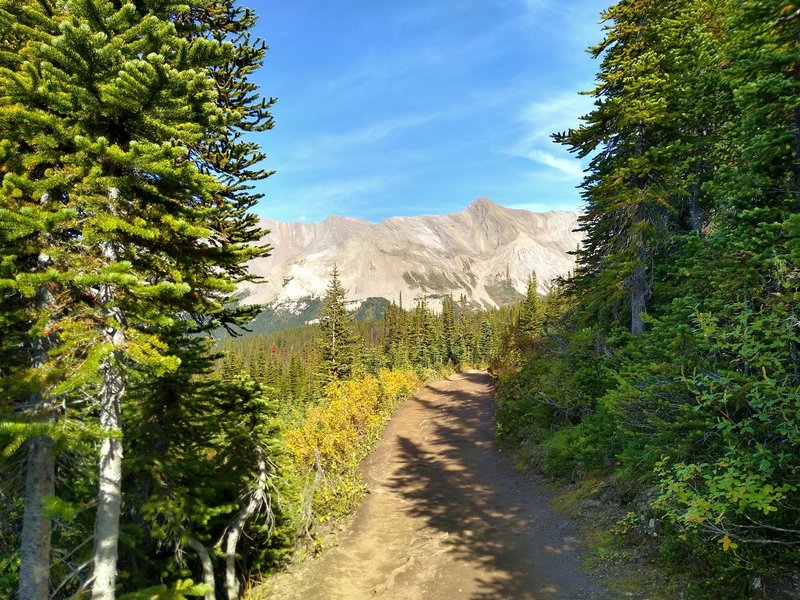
<point x="332" y="146"/>
<point x="432" y="48"/>
<point x="568" y="166"/>
<point x="577" y="20"/>
<point x="556" y="113"/>
<point x="540" y="120"/>
<point x="396" y="108"/>
<point x="334" y="196"/>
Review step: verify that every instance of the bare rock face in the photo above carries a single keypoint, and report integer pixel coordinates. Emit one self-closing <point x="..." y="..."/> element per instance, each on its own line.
<point x="487" y="252"/>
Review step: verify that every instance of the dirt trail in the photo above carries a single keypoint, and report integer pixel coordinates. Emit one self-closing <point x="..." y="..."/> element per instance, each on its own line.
<point x="446" y="518"/>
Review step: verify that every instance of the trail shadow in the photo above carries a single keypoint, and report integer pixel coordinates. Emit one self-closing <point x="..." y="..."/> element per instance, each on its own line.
<point x="459" y="485"/>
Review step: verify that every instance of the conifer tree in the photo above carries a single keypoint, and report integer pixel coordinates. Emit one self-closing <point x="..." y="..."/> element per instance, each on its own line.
<point x="629" y="134"/>
<point x="337" y="342"/>
<point x="531" y="310"/>
<point x="22" y="24"/>
<point x="463" y="334"/>
<point x="486" y="341"/>
<point x="184" y="426"/>
<point x="742" y="292"/>
<point x="123" y="165"/>
<point x="450" y="336"/>
<point x="693" y="183"/>
<point x="396" y="334"/>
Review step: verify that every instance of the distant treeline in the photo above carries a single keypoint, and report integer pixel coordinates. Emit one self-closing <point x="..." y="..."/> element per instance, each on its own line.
<point x="297" y="365"/>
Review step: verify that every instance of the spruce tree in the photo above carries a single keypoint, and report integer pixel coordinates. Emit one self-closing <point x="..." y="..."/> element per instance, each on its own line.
<point x="740" y="296"/>
<point x="629" y="134"/>
<point x="182" y="427"/>
<point x="23" y="234"/>
<point x="462" y="333"/>
<point x="695" y="129"/>
<point x="486" y="341"/>
<point x="450" y="336"/>
<point x="125" y="183"/>
<point x="531" y="310"/>
<point x="337" y="341"/>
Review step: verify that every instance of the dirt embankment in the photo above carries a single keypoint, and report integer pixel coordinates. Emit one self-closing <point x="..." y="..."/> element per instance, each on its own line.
<point x="446" y="519"/>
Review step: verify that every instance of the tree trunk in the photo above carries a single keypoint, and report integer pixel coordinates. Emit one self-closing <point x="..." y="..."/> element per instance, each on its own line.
<point x="795" y="126"/>
<point x="35" y="543"/>
<point x="695" y="213"/>
<point x="234" y="533"/>
<point x="796" y="163"/>
<point x="208" y="567"/>
<point x="258" y="498"/>
<point x="109" y="499"/>
<point x="34" y="575"/>
<point x="637" y="282"/>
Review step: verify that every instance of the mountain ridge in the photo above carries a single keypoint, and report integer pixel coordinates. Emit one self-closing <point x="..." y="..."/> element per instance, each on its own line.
<point x="486" y="252"/>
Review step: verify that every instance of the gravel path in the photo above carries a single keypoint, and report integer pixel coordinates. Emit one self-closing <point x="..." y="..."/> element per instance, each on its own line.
<point x="446" y="519"/>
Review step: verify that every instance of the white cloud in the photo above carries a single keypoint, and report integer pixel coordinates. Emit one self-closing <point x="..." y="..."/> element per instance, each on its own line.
<point x="367" y="135"/>
<point x="568" y="166"/>
<point x="336" y="196"/>
<point x="539" y="120"/>
<point x="556" y="113"/>
<point x="330" y="150"/>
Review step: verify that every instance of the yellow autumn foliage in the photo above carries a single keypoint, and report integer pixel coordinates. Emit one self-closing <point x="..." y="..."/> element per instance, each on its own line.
<point x="348" y="419"/>
<point x="339" y="431"/>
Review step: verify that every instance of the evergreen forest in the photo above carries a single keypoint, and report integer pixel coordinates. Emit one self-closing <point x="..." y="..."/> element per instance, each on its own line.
<point x="142" y="457"/>
<point x="671" y="364"/>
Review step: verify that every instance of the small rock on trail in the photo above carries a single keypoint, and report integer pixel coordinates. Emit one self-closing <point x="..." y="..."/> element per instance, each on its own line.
<point x="446" y="517"/>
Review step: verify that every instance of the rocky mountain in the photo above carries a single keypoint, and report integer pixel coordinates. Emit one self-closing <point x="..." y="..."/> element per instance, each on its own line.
<point x="486" y="252"/>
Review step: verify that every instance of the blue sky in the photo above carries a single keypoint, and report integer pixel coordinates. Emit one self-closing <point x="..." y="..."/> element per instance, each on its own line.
<point x="407" y="107"/>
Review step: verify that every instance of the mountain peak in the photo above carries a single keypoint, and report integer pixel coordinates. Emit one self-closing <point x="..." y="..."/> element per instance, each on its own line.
<point x="486" y="252"/>
<point x="483" y="204"/>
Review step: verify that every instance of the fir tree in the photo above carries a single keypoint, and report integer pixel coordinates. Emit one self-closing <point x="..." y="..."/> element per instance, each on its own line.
<point x="531" y="310"/>
<point x="486" y="342"/>
<point x="107" y="175"/>
<point x="629" y="135"/>
<point x="450" y="336"/>
<point x="693" y="183"/>
<point x="337" y="342"/>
